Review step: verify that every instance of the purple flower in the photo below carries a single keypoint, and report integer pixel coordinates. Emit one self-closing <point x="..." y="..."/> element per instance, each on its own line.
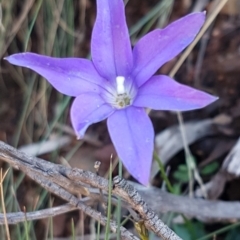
<point x="118" y="83"/>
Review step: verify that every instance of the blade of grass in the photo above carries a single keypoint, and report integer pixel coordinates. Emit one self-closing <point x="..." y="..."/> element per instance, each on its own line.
<point x="163" y="173"/>
<point x="120" y="166"/>
<point x="26" y="227"/>
<point x="39" y="4"/>
<point x="64" y="105"/>
<point x="73" y="229"/>
<point x="157" y="10"/>
<point x="160" y="17"/>
<point x="98" y="230"/>
<point x="24" y="111"/>
<point x="109" y="202"/>
<point x="222" y="230"/>
<point x="2" y="177"/>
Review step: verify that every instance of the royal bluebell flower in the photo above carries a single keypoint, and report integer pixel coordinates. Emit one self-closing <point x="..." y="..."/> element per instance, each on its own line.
<point x="118" y="83"/>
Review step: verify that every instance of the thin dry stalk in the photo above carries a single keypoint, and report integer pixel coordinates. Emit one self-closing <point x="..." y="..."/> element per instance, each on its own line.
<point x="210" y="19"/>
<point x="191" y="164"/>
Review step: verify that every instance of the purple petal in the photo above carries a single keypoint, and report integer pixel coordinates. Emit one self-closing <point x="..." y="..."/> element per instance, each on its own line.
<point x="110" y="46"/>
<point x="71" y="76"/>
<point x="132" y="134"/>
<point x="88" y="108"/>
<point x="160" y="46"/>
<point x="163" y="93"/>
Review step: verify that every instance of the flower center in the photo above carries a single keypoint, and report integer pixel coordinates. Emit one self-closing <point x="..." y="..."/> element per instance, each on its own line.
<point x="122" y="99"/>
<point x="121" y="94"/>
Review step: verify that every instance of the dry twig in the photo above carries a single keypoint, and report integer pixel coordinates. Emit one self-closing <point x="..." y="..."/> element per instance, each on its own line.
<point x="151" y="220"/>
<point x="17" y="217"/>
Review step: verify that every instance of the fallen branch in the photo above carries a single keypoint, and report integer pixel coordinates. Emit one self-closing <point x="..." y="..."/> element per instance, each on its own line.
<point x="42" y="172"/>
<point x="58" y="178"/>
<point x="160" y="201"/>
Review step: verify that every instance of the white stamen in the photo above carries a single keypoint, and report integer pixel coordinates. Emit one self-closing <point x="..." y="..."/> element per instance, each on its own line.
<point x="120" y="84"/>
